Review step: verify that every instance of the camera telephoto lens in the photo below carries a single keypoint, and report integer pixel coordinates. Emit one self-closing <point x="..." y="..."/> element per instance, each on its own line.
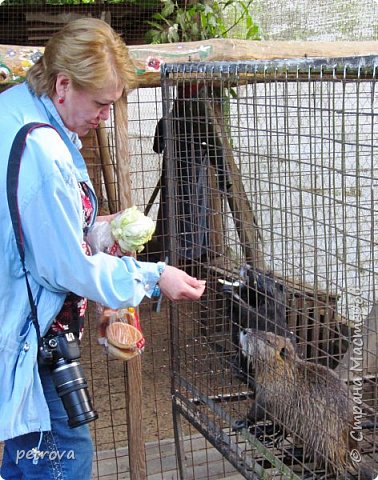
<point x="72" y="387"/>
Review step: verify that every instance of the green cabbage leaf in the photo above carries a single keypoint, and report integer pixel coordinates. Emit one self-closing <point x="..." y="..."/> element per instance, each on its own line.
<point x="132" y="229"/>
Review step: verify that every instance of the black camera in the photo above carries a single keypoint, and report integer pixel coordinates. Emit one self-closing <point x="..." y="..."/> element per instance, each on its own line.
<point x="61" y="352"/>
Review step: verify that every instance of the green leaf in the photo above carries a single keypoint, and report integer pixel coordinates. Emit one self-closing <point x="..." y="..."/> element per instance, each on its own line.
<point x="253" y="33"/>
<point x="207" y="9"/>
<point x="156" y="25"/>
<point x="168" y="9"/>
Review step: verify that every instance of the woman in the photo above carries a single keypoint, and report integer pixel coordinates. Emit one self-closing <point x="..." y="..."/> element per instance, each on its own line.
<point x="85" y="69"/>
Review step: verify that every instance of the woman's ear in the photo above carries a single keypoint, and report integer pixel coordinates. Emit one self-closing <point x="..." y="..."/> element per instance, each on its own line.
<point x="62" y="84"/>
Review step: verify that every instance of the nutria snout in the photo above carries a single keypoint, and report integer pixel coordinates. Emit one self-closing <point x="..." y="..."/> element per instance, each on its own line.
<point x="258" y="302"/>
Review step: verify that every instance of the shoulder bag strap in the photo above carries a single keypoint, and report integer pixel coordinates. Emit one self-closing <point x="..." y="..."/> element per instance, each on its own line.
<point x="13" y="171"/>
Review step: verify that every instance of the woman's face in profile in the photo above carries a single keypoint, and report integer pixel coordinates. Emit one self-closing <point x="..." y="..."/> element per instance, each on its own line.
<point x="83" y="110"/>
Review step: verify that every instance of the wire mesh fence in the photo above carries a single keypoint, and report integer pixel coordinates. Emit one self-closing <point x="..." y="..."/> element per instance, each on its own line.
<point x="109" y="377"/>
<point x="33" y="22"/>
<point x="270" y="192"/>
<point x="273" y="200"/>
<point x="323" y="20"/>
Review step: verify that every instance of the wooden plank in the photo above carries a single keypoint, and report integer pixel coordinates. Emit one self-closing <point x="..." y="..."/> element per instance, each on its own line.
<point x="241" y="209"/>
<point x="147" y="59"/>
<point x="216" y="226"/>
<point x="204" y="462"/>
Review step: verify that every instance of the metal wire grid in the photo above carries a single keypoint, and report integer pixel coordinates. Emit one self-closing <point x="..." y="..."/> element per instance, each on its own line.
<point x="324" y="20"/>
<point x="33" y="23"/>
<point x="303" y="137"/>
<point x="108" y="377"/>
<point x="199" y="336"/>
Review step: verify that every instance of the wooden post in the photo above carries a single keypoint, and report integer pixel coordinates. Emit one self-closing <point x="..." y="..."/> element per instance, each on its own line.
<point x="244" y="218"/>
<point x="216" y="225"/>
<point x="90" y="152"/>
<point x="135" y="435"/>
<point x="365" y="365"/>
<point x="122" y="155"/>
<point x="107" y="168"/>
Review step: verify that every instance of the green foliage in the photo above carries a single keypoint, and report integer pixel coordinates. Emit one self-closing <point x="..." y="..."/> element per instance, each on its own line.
<point x="195" y="20"/>
<point x="46" y="2"/>
<point x="201" y="21"/>
<point x="58" y="2"/>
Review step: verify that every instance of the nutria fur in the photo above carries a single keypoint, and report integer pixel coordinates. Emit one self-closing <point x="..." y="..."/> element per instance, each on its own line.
<point x="258" y="302"/>
<point x="308" y="401"/>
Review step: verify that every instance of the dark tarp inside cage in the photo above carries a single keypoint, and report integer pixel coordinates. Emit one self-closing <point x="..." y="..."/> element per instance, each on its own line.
<point x="196" y="146"/>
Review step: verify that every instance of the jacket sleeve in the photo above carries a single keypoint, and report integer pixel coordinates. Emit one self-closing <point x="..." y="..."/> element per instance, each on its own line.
<point x="51" y="218"/>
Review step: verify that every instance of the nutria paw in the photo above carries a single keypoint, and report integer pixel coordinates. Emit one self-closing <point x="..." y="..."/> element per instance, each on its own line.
<point x="240" y="424"/>
<point x="269" y="434"/>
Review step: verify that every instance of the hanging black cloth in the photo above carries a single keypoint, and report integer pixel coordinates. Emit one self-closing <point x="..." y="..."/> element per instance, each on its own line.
<point x="196" y="146"/>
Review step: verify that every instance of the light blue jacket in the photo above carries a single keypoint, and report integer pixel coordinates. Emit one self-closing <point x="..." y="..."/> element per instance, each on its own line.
<point x="51" y="218"/>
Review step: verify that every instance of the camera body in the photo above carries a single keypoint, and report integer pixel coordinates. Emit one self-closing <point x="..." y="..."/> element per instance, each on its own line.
<point x="61" y="352"/>
<point x="61" y="345"/>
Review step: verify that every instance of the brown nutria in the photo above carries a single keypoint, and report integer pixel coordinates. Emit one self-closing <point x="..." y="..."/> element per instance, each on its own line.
<point x="258" y="301"/>
<point x="307" y="401"/>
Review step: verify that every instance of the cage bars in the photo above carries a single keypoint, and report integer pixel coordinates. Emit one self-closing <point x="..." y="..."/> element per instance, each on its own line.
<point x="302" y="137"/>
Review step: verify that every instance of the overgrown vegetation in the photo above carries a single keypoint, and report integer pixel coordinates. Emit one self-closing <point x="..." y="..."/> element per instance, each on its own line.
<point x="202" y="20"/>
<point x="64" y="2"/>
<point x="181" y="20"/>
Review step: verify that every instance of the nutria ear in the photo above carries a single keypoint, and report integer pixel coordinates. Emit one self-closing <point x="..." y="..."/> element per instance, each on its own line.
<point x="284" y="353"/>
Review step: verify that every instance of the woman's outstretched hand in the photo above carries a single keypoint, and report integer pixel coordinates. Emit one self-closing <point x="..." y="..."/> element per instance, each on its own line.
<point x="175" y="284"/>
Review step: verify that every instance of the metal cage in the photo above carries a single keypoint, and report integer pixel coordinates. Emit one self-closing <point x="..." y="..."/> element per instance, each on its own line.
<point x="269" y="192"/>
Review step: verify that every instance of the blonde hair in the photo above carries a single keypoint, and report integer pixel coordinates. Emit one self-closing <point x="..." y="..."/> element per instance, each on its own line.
<point x="89" y="52"/>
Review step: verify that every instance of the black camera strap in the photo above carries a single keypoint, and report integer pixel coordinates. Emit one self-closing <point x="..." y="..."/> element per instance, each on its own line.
<point x="14" y="163"/>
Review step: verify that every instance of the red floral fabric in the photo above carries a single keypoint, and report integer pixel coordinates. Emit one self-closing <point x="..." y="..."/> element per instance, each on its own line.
<point x="71" y="316"/>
